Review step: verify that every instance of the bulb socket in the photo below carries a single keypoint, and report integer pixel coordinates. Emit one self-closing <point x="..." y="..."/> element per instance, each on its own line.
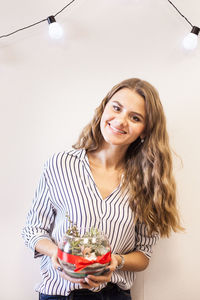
<point x="51" y="19"/>
<point x="195" y="30"/>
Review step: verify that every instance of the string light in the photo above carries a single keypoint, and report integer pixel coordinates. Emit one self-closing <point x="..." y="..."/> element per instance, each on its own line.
<point x="191" y="40"/>
<point x="55" y="30"/>
<point x="49" y="20"/>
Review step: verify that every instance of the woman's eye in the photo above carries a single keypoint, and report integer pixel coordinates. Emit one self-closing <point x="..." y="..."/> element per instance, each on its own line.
<point x="116" y="108"/>
<point x="135" y="118"/>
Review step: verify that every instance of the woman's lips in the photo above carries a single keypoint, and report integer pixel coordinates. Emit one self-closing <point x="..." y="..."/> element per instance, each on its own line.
<point x="117" y="130"/>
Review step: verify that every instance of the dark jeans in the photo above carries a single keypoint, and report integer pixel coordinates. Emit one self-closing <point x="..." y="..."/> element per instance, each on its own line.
<point x="110" y="292"/>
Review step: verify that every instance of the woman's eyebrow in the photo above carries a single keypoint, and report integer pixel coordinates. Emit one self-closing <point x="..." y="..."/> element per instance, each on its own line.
<point x="118" y="103"/>
<point x="134" y="112"/>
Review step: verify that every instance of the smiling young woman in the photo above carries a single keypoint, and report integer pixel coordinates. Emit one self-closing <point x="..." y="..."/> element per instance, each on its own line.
<point x="118" y="179"/>
<point x="147" y="164"/>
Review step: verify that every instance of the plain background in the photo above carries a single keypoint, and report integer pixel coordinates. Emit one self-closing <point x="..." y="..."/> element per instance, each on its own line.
<point x="49" y="90"/>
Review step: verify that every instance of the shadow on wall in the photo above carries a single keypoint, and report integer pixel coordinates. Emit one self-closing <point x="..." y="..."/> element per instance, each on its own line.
<point x="137" y="291"/>
<point x="166" y="271"/>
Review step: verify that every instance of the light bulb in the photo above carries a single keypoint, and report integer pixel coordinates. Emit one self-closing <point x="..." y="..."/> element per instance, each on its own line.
<point x="55" y="30"/>
<point x="191" y="40"/>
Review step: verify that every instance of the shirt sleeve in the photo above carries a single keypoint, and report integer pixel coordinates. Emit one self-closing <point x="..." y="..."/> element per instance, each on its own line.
<point x="143" y="241"/>
<point x="40" y="217"/>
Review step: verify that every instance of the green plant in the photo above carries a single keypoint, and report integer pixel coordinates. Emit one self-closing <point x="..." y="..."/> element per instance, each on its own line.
<point x="91" y="240"/>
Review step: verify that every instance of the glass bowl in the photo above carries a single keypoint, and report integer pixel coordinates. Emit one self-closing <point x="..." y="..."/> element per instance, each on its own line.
<point x="85" y="251"/>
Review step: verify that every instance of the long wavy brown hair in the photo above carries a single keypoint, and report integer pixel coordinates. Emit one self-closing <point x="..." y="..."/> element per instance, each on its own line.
<point x="148" y="166"/>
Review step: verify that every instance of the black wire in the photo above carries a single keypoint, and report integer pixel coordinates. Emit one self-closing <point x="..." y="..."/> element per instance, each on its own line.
<point x="6" y="35"/>
<point x="180" y="12"/>
<point x="26" y="27"/>
<point x="63" y="8"/>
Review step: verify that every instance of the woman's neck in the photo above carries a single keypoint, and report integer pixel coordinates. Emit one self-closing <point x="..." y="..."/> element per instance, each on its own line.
<point x="108" y="157"/>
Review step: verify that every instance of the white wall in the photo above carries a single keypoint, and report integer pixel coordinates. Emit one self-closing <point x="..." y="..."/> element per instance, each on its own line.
<point x="49" y="91"/>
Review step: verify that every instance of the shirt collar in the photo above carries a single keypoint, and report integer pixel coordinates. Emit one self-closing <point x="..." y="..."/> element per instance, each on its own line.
<point x="79" y="153"/>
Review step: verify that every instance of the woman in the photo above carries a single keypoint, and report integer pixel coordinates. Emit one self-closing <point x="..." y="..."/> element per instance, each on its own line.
<point x="118" y="179"/>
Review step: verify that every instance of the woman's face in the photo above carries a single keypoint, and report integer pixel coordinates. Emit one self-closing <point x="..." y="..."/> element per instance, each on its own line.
<point x="123" y="119"/>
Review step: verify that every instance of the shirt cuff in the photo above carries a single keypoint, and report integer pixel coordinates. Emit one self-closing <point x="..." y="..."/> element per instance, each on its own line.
<point x="147" y="254"/>
<point x="33" y="242"/>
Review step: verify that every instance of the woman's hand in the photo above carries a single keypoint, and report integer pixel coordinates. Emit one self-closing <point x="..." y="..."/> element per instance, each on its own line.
<point x="58" y="267"/>
<point x="92" y="281"/>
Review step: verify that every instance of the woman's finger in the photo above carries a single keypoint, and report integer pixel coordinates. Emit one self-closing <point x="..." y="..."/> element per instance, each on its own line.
<point x="55" y="262"/>
<point x="85" y="285"/>
<point x="113" y="263"/>
<point x="72" y="279"/>
<point x="92" y="283"/>
<point x="100" y="279"/>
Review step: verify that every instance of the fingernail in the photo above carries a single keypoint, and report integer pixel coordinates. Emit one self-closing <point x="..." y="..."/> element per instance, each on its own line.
<point x="60" y="269"/>
<point x="106" y="270"/>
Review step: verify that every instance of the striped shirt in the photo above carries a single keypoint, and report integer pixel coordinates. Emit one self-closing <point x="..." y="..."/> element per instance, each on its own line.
<point x="67" y="186"/>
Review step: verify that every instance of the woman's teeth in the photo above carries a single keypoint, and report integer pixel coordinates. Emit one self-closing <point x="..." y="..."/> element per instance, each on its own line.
<point x="116" y="129"/>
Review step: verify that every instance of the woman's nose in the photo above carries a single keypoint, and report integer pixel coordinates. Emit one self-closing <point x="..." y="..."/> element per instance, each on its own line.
<point x="121" y="120"/>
